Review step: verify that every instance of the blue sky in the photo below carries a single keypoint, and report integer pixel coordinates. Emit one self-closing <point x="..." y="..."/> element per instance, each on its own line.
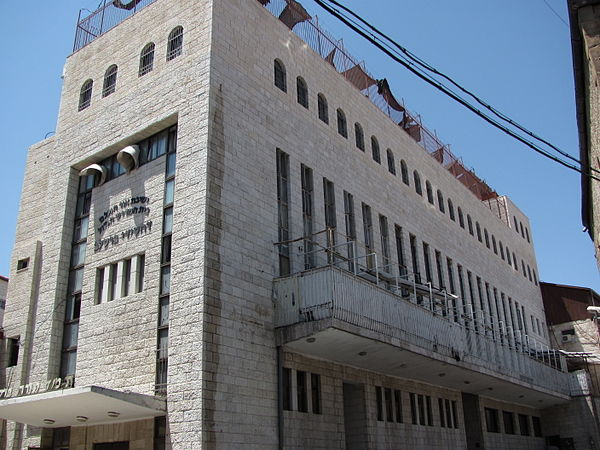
<point x="515" y="54"/>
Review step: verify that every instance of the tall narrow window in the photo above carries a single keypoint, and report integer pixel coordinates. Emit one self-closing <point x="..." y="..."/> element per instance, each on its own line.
<point x="413" y="408"/>
<point x="461" y="219"/>
<point x="440" y="271"/>
<point x="385" y="242"/>
<point x="452" y="289"/>
<point x="359" y="136"/>
<point x="175" y="43"/>
<point x="375" y="150"/>
<point x="429" y="192"/>
<point x="287" y="389"/>
<point x="379" y="402"/>
<point x="427" y="261"/>
<point x="110" y="81"/>
<point x="440" y="198"/>
<point x="323" y="108"/>
<point x="341" y="123"/>
<point x="146" y="59"/>
<point x="491" y="420"/>
<point x="302" y="92"/>
<point x="283" y="166"/>
<point x="417" y="179"/>
<point x="12" y="350"/>
<point x="315" y="388"/>
<point x="301" y="391"/>
<point x="478" y="229"/>
<point x="306" y="176"/>
<point x="368" y="233"/>
<point x="404" y="172"/>
<point x="391" y="162"/>
<point x="451" y="210"/>
<point x="486" y="236"/>
<point x="527" y="235"/>
<point x="279" y="75"/>
<point x="524" y="425"/>
<point x="473" y="311"/>
<point x="461" y="287"/>
<point x="415" y="258"/>
<point x="85" y="95"/>
<point x="470" y="225"/>
<point x="494" y="245"/>
<point x="350" y="222"/>
<point x="501" y="248"/>
<point x="400" y="250"/>
<point x="398" y="405"/>
<point x="330" y="216"/>
<point x="389" y="407"/>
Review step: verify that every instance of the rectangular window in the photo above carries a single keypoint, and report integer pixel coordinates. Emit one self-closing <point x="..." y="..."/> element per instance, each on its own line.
<point x="315" y="388"/>
<point x="509" y="422"/>
<point x="112" y="282"/>
<point x="429" y="410"/>
<point x="451" y="284"/>
<point x="428" y="276"/>
<point x="537" y="426"/>
<point x="379" y="403"/>
<point x="12" y="352"/>
<point x="350" y="222"/>
<point x="461" y="287"/>
<point x="421" y="403"/>
<point x="524" y="425"/>
<point x="389" y="407"/>
<point x="99" y="285"/>
<point x="448" y="413"/>
<point x="454" y="414"/>
<point x="385" y="243"/>
<point x="368" y="233"/>
<point x="398" y="405"/>
<point x="330" y="216"/>
<point x="301" y="391"/>
<point x="473" y="311"/>
<point x="415" y="258"/>
<point x="491" y="420"/>
<point x="413" y="408"/>
<point x="306" y="176"/>
<point x="283" y="218"/>
<point x="442" y="412"/>
<point x="22" y="264"/>
<point x="400" y="250"/>
<point x="287" y="389"/>
<point x="125" y="283"/>
<point x="440" y="272"/>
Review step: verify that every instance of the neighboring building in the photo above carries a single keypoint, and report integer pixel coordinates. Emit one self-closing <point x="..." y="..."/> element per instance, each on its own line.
<point x="584" y="16"/>
<point x="574" y="330"/>
<point x="237" y="238"/>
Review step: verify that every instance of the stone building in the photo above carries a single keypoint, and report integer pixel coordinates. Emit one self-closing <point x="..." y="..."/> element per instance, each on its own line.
<point x="238" y="238"/>
<point x="584" y="18"/>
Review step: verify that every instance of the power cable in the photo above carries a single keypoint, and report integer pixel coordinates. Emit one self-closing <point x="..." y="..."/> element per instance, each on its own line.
<point x="555" y="13"/>
<point x="438" y="85"/>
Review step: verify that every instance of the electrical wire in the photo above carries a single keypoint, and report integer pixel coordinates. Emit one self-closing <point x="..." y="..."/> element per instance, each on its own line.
<point x="410" y="65"/>
<point x="555" y="13"/>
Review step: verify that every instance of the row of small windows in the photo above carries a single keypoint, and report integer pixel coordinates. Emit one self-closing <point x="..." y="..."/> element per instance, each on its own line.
<point x="524" y="230"/>
<point x="481" y="305"/>
<point x="120" y="279"/>
<point x="492" y="422"/>
<point x="174" y="49"/>
<point x="302" y="95"/>
<point x="307" y="386"/>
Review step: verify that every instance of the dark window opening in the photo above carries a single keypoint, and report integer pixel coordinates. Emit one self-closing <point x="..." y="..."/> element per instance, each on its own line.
<point x="146" y="59"/>
<point x="280" y="79"/>
<point x="175" y="43"/>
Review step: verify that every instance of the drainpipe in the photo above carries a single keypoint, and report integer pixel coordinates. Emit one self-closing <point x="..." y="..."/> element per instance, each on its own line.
<point x="280" y="396"/>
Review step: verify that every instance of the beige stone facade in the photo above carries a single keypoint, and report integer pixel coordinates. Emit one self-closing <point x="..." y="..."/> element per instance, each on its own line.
<point x="167" y="281"/>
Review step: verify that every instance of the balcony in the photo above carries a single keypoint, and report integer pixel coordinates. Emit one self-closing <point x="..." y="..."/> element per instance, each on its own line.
<point x="360" y="315"/>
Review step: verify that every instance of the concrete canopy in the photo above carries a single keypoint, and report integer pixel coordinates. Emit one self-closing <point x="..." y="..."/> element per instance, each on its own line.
<point x="87" y="405"/>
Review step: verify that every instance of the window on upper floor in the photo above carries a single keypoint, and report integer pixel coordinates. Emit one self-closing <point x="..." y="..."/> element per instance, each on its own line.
<point x="527" y="235"/>
<point x="110" y="81"/>
<point x="323" y="108"/>
<point x="417" y="180"/>
<point x="429" y="192"/>
<point x="279" y="75"/>
<point x="451" y="210"/>
<point x="486" y="236"/>
<point x="341" y="123"/>
<point x="501" y="248"/>
<point x="12" y="351"/>
<point x="440" y="198"/>
<point x="375" y="150"/>
<point x="175" y="43"/>
<point x="391" y="162"/>
<point x="302" y="92"/>
<point x="146" y="59"/>
<point x="404" y="172"/>
<point x="85" y="95"/>
<point x="461" y="219"/>
<point x="478" y="229"/>
<point x="359" y="136"/>
<point x="470" y="225"/>
<point x="494" y="246"/>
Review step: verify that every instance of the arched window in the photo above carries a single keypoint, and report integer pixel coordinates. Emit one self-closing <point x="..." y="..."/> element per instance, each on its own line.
<point x="146" y="59"/>
<point x="341" y="123"/>
<point x="529" y="272"/>
<point x="175" y="43"/>
<point x="429" y="192"/>
<point x="527" y="234"/>
<point x="279" y="75"/>
<point x="417" y="180"/>
<point x="85" y="96"/>
<point x="470" y="225"/>
<point x="516" y="224"/>
<point x="478" y="229"/>
<point x="440" y="197"/>
<point x="461" y="219"/>
<point x="522" y="232"/>
<point x="534" y="276"/>
<point x="110" y="81"/>
<point x="508" y="260"/>
<point x="404" y="171"/>
<point x="494" y="246"/>
<point x="302" y="92"/>
<point x="391" y="162"/>
<point x="486" y="236"/>
<point x="501" y="248"/>
<point x="375" y="150"/>
<point x="322" y="107"/>
<point x="451" y="210"/>
<point x="516" y="266"/>
<point x="359" y="136"/>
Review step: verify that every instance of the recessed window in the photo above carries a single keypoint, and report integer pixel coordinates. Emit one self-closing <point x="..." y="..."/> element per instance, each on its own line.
<point x="524" y="425"/>
<point x="478" y="229"/>
<point x="315" y="388"/>
<point x="417" y="179"/>
<point x="287" y="389"/>
<point x="119" y="279"/>
<point x="491" y="420"/>
<point x="323" y="108"/>
<point x="85" y="96"/>
<point x="359" y="136"/>
<point x="301" y="391"/>
<point x="279" y="76"/>
<point x="537" y="426"/>
<point x="440" y="197"/>
<point x="470" y="225"/>
<point x="486" y="236"/>
<point x="175" y="43"/>
<point x="110" y="81"/>
<point x="451" y="210"/>
<point x="404" y="172"/>
<point x="375" y="150"/>
<point x="391" y="162"/>
<point x="398" y="405"/>
<point x="23" y="264"/>
<point x="501" y="248"/>
<point x="461" y="219"/>
<point x="509" y="422"/>
<point x="429" y="192"/>
<point x="379" y="403"/>
<point x="302" y="92"/>
<point x="494" y="246"/>
<point x="341" y="123"/>
<point x="12" y="351"/>
<point x="146" y="59"/>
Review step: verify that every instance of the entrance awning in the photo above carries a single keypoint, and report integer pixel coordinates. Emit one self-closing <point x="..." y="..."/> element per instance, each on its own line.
<point x="87" y="405"/>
